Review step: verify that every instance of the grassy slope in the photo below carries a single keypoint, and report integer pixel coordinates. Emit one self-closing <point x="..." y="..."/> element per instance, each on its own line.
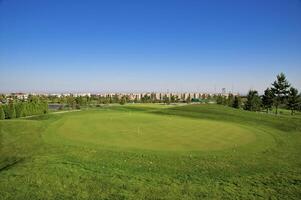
<point x="63" y="170"/>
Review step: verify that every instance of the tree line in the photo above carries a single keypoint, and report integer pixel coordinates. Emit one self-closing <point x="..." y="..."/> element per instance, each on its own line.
<point x="79" y="101"/>
<point x="280" y="95"/>
<point x="17" y="108"/>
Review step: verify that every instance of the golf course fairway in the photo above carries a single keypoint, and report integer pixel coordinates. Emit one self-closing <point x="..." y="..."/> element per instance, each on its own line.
<point x="149" y="151"/>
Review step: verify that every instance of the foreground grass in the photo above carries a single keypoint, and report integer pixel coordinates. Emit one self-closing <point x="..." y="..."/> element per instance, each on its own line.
<point x="55" y="157"/>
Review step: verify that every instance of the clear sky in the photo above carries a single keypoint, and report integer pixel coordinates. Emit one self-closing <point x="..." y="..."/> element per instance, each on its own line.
<point x="151" y="45"/>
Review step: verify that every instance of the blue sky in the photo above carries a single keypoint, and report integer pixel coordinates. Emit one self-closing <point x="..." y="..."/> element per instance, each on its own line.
<point x="151" y="45"/>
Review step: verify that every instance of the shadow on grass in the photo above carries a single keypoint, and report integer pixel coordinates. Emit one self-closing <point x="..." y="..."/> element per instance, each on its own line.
<point x="222" y="113"/>
<point x="9" y="163"/>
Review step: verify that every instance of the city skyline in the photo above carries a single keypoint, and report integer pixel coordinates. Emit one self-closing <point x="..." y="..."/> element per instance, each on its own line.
<point x="145" y="46"/>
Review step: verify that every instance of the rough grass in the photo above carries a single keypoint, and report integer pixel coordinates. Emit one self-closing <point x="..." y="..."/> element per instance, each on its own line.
<point x="66" y="164"/>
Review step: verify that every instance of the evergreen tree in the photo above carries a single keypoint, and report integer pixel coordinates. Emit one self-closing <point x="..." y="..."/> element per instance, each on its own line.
<point x="230" y="99"/>
<point x="115" y="98"/>
<point x="236" y="102"/>
<point x="62" y="100"/>
<point x="225" y="101"/>
<point x="24" y="111"/>
<point x="79" y="100"/>
<point x="293" y="100"/>
<point x="219" y="99"/>
<point x="71" y="102"/>
<point x="172" y="99"/>
<point x="5" y="109"/>
<point x="166" y="99"/>
<point x="209" y="97"/>
<point x="280" y="90"/>
<point x="253" y="102"/>
<point x="122" y="100"/>
<point x="188" y="100"/>
<point x="267" y="99"/>
<point x="19" y="109"/>
<point x="2" y="114"/>
<point x="299" y="107"/>
<point x="45" y="107"/>
<point x="11" y="110"/>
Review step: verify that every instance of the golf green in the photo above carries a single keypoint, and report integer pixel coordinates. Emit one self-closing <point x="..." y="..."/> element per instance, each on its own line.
<point x="118" y="129"/>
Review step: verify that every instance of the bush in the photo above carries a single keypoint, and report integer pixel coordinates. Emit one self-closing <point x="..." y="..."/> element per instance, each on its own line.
<point x="22" y="109"/>
<point x="2" y="114"/>
<point x="11" y="111"/>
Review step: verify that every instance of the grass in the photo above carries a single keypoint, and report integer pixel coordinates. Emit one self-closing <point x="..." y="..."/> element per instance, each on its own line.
<point x="152" y="152"/>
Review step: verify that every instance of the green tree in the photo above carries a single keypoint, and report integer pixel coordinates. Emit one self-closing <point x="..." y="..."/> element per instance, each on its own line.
<point x="11" y="110"/>
<point x="166" y="99"/>
<point x="71" y="102"/>
<point x="172" y="99"/>
<point x="280" y="90"/>
<point x="115" y="98"/>
<point x="236" y="102"/>
<point x="225" y="101"/>
<point x="293" y="100"/>
<point x="188" y="100"/>
<point x="19" y="109"/>
<point x="267" y="99"/>
<point x="79" y="100"/>
<point x="62" y="100"/>
<point x="45" y="107"/>
<point x="209" y="97"/>
<point x="219" y="99"/>
<point x="122" y="100"/>
<point x="230" y="100"/>
<point x="2" y="114"/>
<point x="253" y="102"/>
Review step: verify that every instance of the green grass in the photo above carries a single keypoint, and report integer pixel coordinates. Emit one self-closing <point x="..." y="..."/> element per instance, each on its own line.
<point x="151" y="152"/>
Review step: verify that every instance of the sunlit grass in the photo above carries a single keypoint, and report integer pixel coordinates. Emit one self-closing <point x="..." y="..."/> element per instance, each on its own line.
<point x="152" y="152"/>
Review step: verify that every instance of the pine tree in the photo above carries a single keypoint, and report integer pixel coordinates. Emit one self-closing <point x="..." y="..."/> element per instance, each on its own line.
<point x="236" y="102"/>
<point x="225" y="101"/>
<point x="253" y="102"/>
<point x="230" y="99"/>
<point x="11" y="111"/>
<point x="219" y="99"/>
<point x="293" y="100"/>
<point x="2" y="114"/>
<point x="19" y="108"/>
<point x="172" y="99"/>
<point x="188" y="100"/>
<point x="280" y="90"/>
<point x="122" y="100"/>
<point x="267" y="99"/>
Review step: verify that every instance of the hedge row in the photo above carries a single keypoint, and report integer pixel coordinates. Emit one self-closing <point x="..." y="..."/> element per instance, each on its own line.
<point x="22" y="109"/>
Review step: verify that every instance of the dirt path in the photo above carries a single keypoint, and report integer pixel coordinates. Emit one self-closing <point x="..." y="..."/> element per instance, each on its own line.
<point x="64" y="111"/>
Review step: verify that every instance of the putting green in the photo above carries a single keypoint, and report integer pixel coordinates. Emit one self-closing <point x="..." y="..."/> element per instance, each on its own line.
<point x="134" y="130"/>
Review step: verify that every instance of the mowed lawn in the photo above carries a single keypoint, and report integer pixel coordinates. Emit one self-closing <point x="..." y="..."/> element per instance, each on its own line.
<point x="149" y="151"/>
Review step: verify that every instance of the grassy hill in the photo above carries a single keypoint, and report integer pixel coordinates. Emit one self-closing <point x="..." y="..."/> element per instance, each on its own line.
<point x="151" y="152"/>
